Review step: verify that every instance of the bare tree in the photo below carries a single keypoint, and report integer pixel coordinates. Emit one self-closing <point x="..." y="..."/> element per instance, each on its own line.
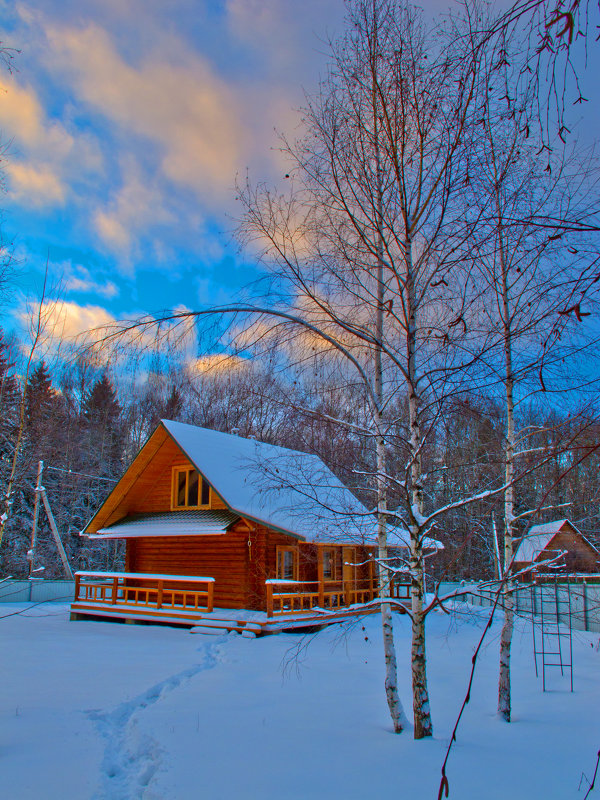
<point x="528" y="271"/>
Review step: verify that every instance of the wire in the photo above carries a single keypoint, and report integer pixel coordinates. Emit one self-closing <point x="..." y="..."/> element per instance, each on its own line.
<point x="83" y="474"/>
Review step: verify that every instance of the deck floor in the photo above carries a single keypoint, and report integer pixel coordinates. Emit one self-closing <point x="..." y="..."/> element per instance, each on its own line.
<point x="226" y="619"/>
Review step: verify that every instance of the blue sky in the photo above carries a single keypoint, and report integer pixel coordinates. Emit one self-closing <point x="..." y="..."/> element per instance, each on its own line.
<point x="127" y="123"/>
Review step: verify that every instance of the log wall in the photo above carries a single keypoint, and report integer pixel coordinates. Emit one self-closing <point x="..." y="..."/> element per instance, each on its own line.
<point x="240" y="561"/>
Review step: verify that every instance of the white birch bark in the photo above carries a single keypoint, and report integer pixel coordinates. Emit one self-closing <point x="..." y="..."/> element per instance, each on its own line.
<point x="389" y="649"/>
<point x="421" y="707"/>
<point x="504" y="692"/>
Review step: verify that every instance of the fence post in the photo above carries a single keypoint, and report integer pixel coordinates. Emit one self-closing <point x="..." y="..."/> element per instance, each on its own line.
<point x="585" y="606"/>
<point x="269" y="599"/>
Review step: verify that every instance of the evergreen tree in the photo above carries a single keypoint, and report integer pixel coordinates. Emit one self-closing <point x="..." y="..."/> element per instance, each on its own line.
<point x="40" y="397"/>
<point x="103" y="428"/>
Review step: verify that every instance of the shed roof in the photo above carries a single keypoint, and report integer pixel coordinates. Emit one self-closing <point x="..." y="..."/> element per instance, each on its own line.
<point x="171" y="523"/>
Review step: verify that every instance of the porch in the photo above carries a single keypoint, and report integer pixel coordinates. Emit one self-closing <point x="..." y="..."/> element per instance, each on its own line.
<point x="130" y="595"/>
<point x="189" y="601"/>
<point x="296" y="597"/>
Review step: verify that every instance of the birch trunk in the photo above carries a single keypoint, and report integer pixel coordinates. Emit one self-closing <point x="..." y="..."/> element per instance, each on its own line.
<point x="421" y="708"/>
<point x="389" y="648"/>
<point x="504" y="693"/>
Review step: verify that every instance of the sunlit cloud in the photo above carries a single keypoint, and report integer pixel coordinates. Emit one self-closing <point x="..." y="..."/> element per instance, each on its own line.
<point x="38" y="186"/>
<point x="184" y="108"/>
<point x="133" y="209"/>
<point x="43" y="154"/>
<point x="66" y="321"/>
<point x="217" y="363"/>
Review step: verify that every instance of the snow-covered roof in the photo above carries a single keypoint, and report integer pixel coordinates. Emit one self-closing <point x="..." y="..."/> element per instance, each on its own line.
<point x="400" y="537"/>
<point x="171" y="523"/>
<point x="548" y="527"/>
<point x="531" y="546"/>
<point x="284" y="489"/>
<point x="537" y="539"/>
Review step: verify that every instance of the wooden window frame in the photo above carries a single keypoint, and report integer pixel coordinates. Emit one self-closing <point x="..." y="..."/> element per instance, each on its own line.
<point x="175" y="472"/>
<point x="333" y="577"/>
<point x="279" y="556"/>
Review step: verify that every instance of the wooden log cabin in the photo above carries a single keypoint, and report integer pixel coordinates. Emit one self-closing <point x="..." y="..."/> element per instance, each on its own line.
<point x="216" y="521"/>
<point x="559" y="540"/>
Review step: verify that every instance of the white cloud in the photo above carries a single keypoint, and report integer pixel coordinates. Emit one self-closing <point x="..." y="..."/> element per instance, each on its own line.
<point x="77" y="278"/>
<point x="38" y="186"/>
<point x="43" y="154"/>
<point x="185" y="108"/>
<point x="136" y="207"/>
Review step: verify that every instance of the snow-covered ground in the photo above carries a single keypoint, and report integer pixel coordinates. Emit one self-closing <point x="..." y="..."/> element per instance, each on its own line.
<point x="103" y="710"/>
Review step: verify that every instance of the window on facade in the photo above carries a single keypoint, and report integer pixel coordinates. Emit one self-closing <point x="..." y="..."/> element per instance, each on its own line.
<point x="287" y="563"/>
<point x="190" y="490"/>
<point x="329" y="565"/>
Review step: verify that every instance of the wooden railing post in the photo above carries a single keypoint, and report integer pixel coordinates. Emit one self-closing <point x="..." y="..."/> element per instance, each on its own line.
<point x="115" y="589"/>
<point x="77" y="586"/>
<point x="209" y="599"/>
<point x="269" y="599"/>
<point x="159" y="594"/>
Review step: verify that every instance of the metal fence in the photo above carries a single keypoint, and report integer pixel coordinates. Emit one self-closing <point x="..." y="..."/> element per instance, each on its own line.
<point x="36" y="591"/>
<point x="585" y="601"/>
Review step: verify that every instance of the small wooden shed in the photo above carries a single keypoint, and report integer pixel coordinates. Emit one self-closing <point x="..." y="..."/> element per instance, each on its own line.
<point x="553" y="539"/>
<point x="212" y="520"/>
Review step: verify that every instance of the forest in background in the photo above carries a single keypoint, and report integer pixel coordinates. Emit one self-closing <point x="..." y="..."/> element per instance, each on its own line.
<point x="87" y="427"/>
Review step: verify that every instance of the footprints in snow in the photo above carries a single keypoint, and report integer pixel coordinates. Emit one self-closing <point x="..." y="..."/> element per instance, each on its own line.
<point x="131" y="758"/>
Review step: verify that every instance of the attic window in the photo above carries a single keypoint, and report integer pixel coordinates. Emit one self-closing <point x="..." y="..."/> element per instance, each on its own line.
<point x="190" y="490"/>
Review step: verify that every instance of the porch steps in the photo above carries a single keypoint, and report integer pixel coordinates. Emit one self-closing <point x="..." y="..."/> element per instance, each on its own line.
<point x="219" y="625"/>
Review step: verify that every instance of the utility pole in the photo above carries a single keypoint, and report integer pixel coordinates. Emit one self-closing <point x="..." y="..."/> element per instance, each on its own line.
<point x="40" y="491"/>
<point x="36" y="512"/>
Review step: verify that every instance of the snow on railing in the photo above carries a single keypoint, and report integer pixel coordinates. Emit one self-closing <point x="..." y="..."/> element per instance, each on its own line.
<point x="144" y="589"/>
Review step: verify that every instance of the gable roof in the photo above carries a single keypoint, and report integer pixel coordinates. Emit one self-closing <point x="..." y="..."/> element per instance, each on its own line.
<point x="283" y="489"/>
<point x="538" y="537"/>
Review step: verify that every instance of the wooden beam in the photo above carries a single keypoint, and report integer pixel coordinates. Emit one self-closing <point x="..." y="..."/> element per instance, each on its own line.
<point x="55" y="533"/>
<point x="320" y="576"/>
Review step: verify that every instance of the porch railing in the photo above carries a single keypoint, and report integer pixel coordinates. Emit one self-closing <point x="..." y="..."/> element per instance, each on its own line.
<point x="293" y="597"/>
<point x="143" y="590"/>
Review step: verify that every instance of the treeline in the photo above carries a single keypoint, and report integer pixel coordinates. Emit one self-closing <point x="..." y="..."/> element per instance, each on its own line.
<point x="86" y="426"/>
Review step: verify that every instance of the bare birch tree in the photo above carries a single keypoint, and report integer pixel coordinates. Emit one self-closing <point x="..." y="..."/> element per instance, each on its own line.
<point x="367" y="241"/>
<point x="528" y="272"/>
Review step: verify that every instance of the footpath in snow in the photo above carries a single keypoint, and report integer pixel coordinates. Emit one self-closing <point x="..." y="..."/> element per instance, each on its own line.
<point x="112" y="712"/>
